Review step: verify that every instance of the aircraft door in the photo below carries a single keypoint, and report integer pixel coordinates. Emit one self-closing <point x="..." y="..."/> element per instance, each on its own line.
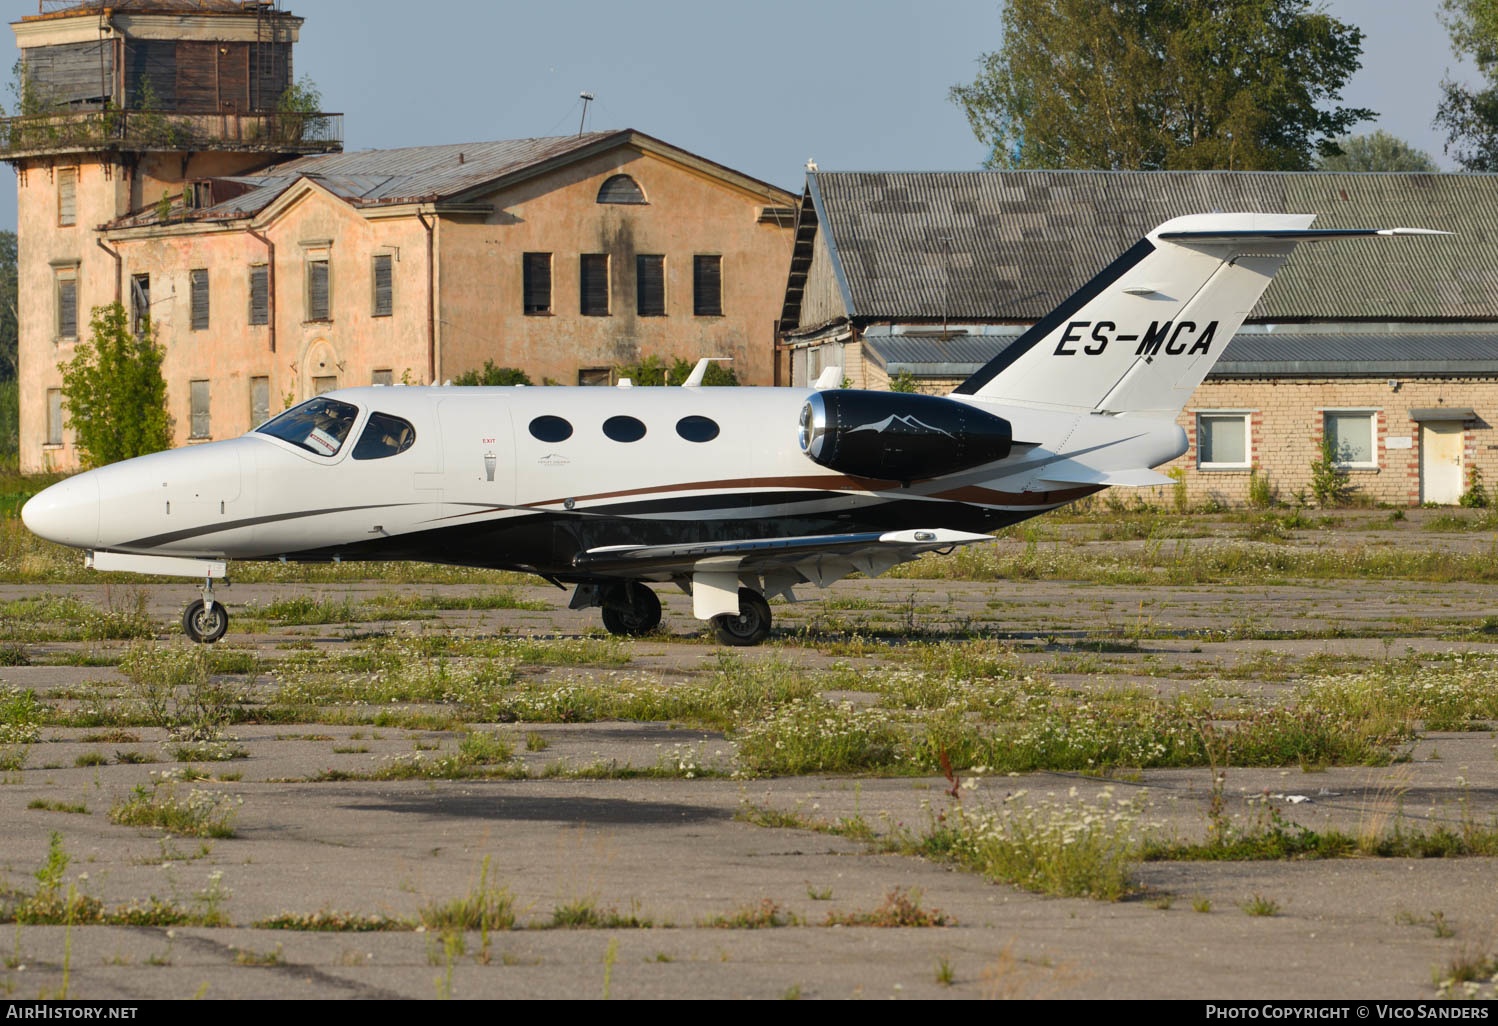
<point x="479" y="458"/>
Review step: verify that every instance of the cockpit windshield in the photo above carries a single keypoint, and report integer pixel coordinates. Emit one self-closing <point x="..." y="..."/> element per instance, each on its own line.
<point x="320" y="426"/>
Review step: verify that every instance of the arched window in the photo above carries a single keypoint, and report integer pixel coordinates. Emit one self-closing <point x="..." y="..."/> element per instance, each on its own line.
<point x="621" y="189"/>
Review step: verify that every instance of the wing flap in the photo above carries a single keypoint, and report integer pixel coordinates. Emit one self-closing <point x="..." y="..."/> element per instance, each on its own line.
<point x="818" y="557"/>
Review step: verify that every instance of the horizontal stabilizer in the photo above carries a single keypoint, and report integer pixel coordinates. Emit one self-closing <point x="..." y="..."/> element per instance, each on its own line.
<point x="1290" y="234"/>
<point x="1077" y="474"/>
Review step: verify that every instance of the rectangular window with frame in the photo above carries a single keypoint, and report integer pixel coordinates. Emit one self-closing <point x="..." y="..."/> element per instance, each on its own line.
<point x="198" y="287"/>
<point x="140" y="304"/>
<point x="384" y="285"/>
<point x="67" y="302"/>
<point x="382" y="377"/>
<point x="327" y="384"/>
<point x="1224" y="441"/>
<point x="594" y="284"/>
<point x="54" y="416"/>
<point x="67" y="197"/>
<point x="536" y="282"/>
<point x="1354" y="437"/>
<point x="319" y="290"/>
<point x="707" y="286"/>
<point x="600" y="377"/>
<point x="259" y="294"/>
<point x="650" y="285"/>
<point x="202" y="425"/>
<point x="259" y="401"/>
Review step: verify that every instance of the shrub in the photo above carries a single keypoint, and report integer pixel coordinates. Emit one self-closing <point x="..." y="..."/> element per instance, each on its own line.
<point x="1476" y="496"/>
<point x="1329" y="482"/>
<point x="114" y="391"/>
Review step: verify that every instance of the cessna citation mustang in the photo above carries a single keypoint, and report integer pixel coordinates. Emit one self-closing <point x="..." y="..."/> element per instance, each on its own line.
<point x="736" y="496"/>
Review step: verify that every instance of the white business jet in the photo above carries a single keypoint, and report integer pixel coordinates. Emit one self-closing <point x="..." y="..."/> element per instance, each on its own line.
<point x="736" y="496"/>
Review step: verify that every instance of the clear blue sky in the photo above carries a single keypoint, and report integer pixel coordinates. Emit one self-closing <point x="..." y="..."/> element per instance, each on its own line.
<point x="855" y="84"/>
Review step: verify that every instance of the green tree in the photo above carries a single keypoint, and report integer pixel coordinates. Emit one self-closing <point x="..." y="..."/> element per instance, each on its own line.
<point x="114" y="393"/>
<point x="652" y="370"/>
<point x="9" y="315"/>
<point x="1376" y="151"/>
<point x="492" y="375"/>
<point x="1163" y="84"/>
<point x="1469" y="114"/>
<point x="904" y="382"/>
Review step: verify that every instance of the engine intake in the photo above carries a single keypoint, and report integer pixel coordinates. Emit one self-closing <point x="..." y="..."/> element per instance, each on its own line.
<point x="899" y="436"/>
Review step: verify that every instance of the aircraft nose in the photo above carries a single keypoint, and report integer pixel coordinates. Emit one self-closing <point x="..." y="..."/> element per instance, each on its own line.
<point x="66" y="513"/>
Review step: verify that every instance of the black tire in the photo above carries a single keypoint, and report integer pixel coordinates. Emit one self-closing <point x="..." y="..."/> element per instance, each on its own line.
<point x="641" y="616"/>
<point x="750" y="627"/>
<point x="205" y="628"/>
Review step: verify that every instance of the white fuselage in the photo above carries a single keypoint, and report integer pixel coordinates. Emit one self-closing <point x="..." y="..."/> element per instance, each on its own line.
<point x="478" y="486"/>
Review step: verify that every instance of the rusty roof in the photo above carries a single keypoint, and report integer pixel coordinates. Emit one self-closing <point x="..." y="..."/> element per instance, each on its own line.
<point x="68" y="8"/>
<point x="420" y="174"/>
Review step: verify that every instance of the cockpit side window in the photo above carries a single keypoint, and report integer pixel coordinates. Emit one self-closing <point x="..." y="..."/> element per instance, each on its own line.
<point x="384" y="436"/>
<point x="320" y="425"/>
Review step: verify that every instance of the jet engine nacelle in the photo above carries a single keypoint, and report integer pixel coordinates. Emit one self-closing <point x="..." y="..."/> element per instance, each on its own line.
<point x="899" y="436"/>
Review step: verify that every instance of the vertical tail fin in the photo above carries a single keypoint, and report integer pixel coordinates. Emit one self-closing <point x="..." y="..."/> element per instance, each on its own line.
<point x="1140" y="336"/>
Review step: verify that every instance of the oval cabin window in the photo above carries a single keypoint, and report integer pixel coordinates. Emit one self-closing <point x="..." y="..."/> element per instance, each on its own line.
<point x="697" y="429"/>
<point x="621" y="189"/>
<point x="551" y="429"/>
<point x="624" y="429"/>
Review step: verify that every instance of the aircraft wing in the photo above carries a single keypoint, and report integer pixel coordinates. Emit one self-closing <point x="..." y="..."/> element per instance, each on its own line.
<point x="819" y="559"/>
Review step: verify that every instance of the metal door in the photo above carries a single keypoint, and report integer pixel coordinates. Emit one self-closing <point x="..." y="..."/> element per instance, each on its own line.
<point x="1441" y="462"/>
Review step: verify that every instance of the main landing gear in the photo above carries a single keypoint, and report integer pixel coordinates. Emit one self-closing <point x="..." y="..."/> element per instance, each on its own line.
<point x="205" y="621"/>
<point x="631" y="610"/>
<point x="750" y="626"/>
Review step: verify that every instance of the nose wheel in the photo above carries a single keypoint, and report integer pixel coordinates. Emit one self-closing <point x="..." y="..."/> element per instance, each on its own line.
<point x="205" y="621"/>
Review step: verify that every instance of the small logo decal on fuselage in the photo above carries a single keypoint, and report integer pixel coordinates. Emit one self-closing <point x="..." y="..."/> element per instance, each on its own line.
<point x="1172" y="337"/>
<point x="553" y="459"/>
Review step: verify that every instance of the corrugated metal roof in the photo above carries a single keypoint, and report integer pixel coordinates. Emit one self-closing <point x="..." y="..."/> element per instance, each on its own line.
<point x="1251" y="354"/>
<point x="993" y="245"/>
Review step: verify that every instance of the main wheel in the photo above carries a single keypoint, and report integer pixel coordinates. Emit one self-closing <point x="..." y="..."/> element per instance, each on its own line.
<point x="202" y="626"/>
<point x="750" y="626"/>
<point x="641" y="616"/>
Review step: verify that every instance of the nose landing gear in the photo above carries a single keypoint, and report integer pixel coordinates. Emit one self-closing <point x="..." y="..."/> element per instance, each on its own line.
<point x="205" y="621"/>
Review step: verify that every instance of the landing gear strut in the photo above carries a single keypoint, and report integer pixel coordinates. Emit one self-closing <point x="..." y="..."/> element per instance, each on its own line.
<point x="205" y="621"/>
<point x="750" y="626"/>
<point x="631" y="610"/>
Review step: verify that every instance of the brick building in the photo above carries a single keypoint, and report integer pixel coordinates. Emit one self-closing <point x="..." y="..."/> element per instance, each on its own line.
<point x="272" y="266"/>
<point x="1391" y="350"/>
